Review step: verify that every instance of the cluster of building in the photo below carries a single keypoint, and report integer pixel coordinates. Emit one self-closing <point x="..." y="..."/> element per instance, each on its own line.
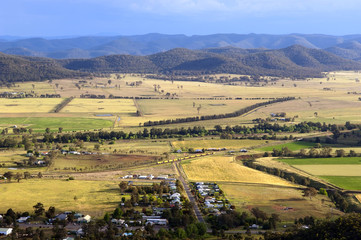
<point x="147" y="177"/>
<point x="208" y="192"/>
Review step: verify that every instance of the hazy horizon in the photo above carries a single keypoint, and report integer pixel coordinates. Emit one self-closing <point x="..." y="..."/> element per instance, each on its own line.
<point x="64" y="18"/>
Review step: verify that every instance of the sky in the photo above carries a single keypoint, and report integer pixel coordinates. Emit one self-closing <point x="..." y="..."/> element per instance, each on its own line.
<point x="51" y="18"/>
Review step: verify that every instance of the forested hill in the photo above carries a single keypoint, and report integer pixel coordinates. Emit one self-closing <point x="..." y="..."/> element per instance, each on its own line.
<point x="294" y="61"/>
<point x="16" y="69"/>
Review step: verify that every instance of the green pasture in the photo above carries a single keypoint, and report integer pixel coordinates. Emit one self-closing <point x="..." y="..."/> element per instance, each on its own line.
<point x="322" y="161"/>
<point x="346" y="182"/>
<point x="293" y="146"/>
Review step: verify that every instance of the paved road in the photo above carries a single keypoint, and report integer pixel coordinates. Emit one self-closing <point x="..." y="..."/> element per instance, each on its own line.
<point x="190" y="195"/>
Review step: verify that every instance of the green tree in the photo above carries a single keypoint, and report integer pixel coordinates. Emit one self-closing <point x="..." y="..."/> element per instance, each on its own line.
<point x="39" y="209"/>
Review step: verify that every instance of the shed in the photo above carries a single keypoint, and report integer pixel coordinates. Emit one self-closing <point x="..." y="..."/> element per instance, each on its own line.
<point x="6" y="231"/>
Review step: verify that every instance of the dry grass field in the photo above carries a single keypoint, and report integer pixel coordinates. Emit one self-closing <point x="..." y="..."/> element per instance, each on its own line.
<point x="117" y="106"/>
<point x="31" y="105"/>
<point x="225" y="169"/>
<point x="92" y="197"/>
<point x="277" y="199"/>
<point x="331" y="170"/>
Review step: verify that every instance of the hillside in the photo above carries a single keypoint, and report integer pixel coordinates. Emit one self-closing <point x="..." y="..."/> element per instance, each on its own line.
<point x="349" y="50"/>
<point x="95" y="46"/>
<point x="15" y="69"/>
<point x="294" y="61"/>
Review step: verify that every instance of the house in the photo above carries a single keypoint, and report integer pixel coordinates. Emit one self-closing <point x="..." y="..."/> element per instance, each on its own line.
<point x="164" y="177"/>
<point x="85" y="219"/>
<point x="150" y="176"/>
<point x="175" y="196"/>
<point x="198" y="151"/>
<point x="157" y="221"/>
<point x="61" y="216"/>
<point x="6" y="231"/>
<point x="118" y="221"/>
<point x="22" y="219"/>
<point x="142" y="177"/>
<point x="179" y="151"/>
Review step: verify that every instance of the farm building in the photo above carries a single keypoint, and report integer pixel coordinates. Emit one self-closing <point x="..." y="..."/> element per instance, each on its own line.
<point x="85" y="219"/>
<point x="6" y="231"/>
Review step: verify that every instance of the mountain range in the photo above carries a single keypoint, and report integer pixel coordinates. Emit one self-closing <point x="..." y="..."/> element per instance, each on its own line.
<point x="295" y="61"/>
<point x="94" y="46"/>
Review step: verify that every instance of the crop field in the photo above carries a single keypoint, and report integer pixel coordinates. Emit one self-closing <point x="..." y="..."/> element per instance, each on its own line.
<point x="225" y="169"/>
<point x="287" y="202"/>
<point x="218" y="143"/>
<point x="88" y="197"/>
<point x="121" y="106"/>
<point x="293" y="146"/>
<point x="29" y="105"/>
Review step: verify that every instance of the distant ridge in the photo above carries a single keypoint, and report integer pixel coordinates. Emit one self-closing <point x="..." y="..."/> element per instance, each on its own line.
<point x="141" y="45"/>
<point x="295" y="62"/>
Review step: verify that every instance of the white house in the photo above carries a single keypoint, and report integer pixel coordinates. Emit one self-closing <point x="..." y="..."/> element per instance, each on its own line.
<point x="22" y="219"/>
<point x="6" y="231"/>
<point x="85" y="219"/>
<point x="157" y="221"/>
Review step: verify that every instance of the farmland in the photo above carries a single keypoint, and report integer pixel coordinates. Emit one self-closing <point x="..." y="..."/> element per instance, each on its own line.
<point x="344" y="172"/>
<point x="287" y="202"/>
<point x="346" y="182"/>
<point x="293" y="146"/>
<point x="93" y="197"/>
<point x="217" y="143"/>
<point x="98" y="172"/>
<point x="225" y="169"/>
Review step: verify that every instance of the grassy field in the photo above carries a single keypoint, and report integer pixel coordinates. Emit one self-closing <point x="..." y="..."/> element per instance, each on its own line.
<point x="92" y="197"/>
<point x="29" y="105"/>
<point x="225" y="169"/>
<point x="346" y="182"/>
<point x="67" y="123"/>
<point x="218" y="143"/>
<point x="322" y="161"/>
<point x="293" y="146"/>
<point x="118" y="106"/>
<point x="175" y="108"/>
<point x="331" y="170"/>
<point x="276" y="200"/>
<point x="139" y="146"/>
<point x="344" y="172"/>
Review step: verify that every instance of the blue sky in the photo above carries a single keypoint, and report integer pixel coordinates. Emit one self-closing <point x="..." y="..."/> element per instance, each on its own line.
<point x="190" y="17"/>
